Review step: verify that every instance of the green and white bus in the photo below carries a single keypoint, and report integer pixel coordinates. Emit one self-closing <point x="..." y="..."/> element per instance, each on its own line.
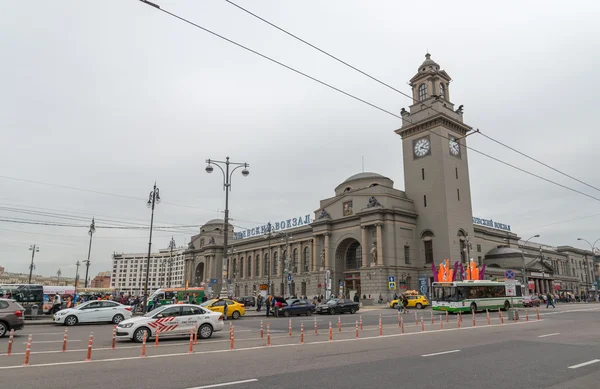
<point x="473" y="296"/>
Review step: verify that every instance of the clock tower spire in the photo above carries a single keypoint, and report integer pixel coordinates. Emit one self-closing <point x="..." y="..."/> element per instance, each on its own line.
<point x="436" y="174"/>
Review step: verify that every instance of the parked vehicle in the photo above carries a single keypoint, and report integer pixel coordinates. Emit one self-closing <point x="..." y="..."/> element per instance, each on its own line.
<point x="171" y="321"/>
<point x="234" y="309"/>
<point x="334" y="306"/>
<point x="93" y="311"/>
<point x="27" y="295"/>
<point x="247" y="301"/>
<point x="531" y="300"/>
<point x="297" y="307"/>
<point x="11" y="316"/>
<point x="414" y="301"/>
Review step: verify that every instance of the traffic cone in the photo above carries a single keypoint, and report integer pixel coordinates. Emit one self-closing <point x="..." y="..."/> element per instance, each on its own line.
<point x="301" y="333"/>
<point x="357" y="329"/>
<point x="156" y="338"/>
<point x="10" y="342"/>
<point x="191" y="349"/>
<point x="232" y="339"/>
<point x="64" y="347"/>
<point x="422" y="325"/>
<point x="290" y="327"/>
<point x="114" y="338"/>
<point x="339" y="324"/>
<point x="316" y="329"/>
<point x="330" y="332"/>
<point x="195" y="335"/>
<point x="27" y="352"/>
<point x="401" y="325"/>
<point x="261" y="329"/>
<point x="144" y="347"/>
<point x="89" y="351"/>
<point x="268" y="334"/>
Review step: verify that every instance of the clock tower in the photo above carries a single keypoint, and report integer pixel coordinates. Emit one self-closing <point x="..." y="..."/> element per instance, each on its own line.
<point x="436" y="173"/>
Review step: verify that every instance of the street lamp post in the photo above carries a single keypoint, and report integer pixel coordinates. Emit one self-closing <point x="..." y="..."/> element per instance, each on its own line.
<point x="523" y="258"/>
<point x="285" y="260"/>
<point x="58" y="274"/>
<point x="153" y="199"/>
<point x="34" y="249"/>
<point x="76" y="277"/>
<point x="87" y="263"/>
<point x="171" y="247"/>
<point x="227" y="187"/>
<point x="592" y="248"/>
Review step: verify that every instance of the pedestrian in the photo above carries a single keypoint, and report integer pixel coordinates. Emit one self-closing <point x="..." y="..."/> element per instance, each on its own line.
<point x="380" y="299"/>
<point x="550" y="301"/>
<point x="356" y="299"/>
<point x="276" y="305"/>
<point x="268" y="304"/>
<point x="258" y="303"/>
<point x="404" y="304"/>
<point x="395" y="296"/>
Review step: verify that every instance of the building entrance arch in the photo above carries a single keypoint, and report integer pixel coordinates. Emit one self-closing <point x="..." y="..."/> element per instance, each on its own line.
<point x="349" y="255"/>
<point x="199" y="274"/>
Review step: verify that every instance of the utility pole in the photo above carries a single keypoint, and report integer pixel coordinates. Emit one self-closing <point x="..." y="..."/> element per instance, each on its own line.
<point x="87" y="263"/>
<point x="76" y="277"/>
<point x="153" y="199"/>
<point x="34" y="249"/>
<point x="268" y="235"/>
<point x="171" y="247"/>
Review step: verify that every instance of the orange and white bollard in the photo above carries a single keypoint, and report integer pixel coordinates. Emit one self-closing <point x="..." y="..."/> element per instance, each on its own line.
<point x="191" y="349"/>
<point x="488" y="317"/>
<point x="422" y="325"/>
<point x="64" y="347"/>
<point x="232" y="339"/>
<point x="537" y="312"/>
<point x="380" y="326"/>
<point x="301" y="333"/>
<point x="416" y="319"/>
<point x="460" y="316"/>
<point x="27" y="352"/>
<point x="339" y="324"/>
<point x="357" y="329"/>
<point x="458" y="321"/>
<point x="501" y="317"/>
<point x="527" y="315"/>
<point x="268" y="334"/>
<point x="499" y="313"/>
<point x="156" y="338"/>
<point x="261" y="330"/>
<point x="431" y="317"/>
<point x="474" y="323"/>
<point x="89" y="351"/>
<point x="441" y="323"/>
<point x="10" y="342"/>
<point x="114" y="338"/>
<point x="330" y="332"/>
<point x="144" y="347"/>
<point x="401" y="325"/>
<point x="398" y="319"/>
<point x="316" y="329"/>
<point x="290" y="327"/>
<point x="361" y="323"/>
<point x="195" y="335"/>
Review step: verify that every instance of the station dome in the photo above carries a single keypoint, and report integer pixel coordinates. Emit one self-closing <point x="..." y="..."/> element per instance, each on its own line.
<point x="363" y="180"/>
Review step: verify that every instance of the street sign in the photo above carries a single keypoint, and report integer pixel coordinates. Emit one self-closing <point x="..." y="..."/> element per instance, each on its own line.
<point x="509" y="274"/>
<point x="512" y="282"/>
<point x="289" y="277"/>
<point x="392" y="285"/>
<point x="511" y="290"/>
<point x="391" y="279"/>
<point x="214" y="281"/>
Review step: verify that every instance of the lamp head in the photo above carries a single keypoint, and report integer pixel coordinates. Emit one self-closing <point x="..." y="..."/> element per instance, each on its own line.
<point x="245" y="172"/>
<point x="536" y="236"/>
<point x="209" y="168"/>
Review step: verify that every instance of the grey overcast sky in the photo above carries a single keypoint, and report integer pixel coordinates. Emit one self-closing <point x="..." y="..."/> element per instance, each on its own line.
<point x="111" y="95"/>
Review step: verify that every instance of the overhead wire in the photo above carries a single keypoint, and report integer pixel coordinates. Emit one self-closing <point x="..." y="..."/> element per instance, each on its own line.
<point x="359" y="99"/>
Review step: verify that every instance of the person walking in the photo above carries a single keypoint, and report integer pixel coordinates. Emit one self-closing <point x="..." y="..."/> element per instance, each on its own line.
<point x="258" y="302"/>
<point x="268" y="304"/>
<point x="225" y="310"/>
<point x="550" y="300"/>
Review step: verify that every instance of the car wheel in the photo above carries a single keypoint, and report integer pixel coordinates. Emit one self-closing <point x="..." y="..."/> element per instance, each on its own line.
<point x="138" y="335"/>
<point x="506" y="305"/>
<point x="353" y="310"/>
<point x="308" y="312"/>
<point x="473" y="308"/>
<point x="71" y="320"/>
<point x="395" y="306"/>
<point x="332" y="311"/>
<point x="419" y="306"/>
<point x="117" y="319"/>
<point x="286" y="313"/>
<point x="235" y="315"/>
<point x="538" y="304"/>
<point x="3" y="329"/>
<point x="205" y="331"/>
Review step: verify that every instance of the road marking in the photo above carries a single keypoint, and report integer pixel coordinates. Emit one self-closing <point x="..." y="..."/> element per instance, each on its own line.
<point x="543" y="336"/>
<point x="584" y="364"/>
<point x="266" y="347"/>
<point x="224" y="384"/>
<point x="441" y="353"/>
<point x="48" y="333"/>
<point x="52" y="341"/>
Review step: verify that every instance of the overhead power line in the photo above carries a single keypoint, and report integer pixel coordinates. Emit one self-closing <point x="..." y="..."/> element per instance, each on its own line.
<point x="399" y="91"/>
<point x="359" y="99"/>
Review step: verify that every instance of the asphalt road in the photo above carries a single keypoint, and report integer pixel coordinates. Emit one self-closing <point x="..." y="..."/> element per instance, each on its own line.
<point x="560" y="351"/>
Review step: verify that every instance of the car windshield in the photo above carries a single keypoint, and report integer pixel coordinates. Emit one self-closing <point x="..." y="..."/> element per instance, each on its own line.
<point x="82" y="306"/>
<point x="291" y="301"/>
<point x="332" y="302"/>
<point x="153" y="312"/>
<point x="208" y="303"/>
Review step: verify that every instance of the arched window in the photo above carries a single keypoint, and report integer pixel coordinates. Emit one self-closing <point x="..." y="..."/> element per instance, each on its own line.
<point x="241" y="274"/>
<point x="275" y="263"/>
<point x="354" y="256"/>
<point x="427" y="237"/>
<point x="306" y="260"/>
<point x="249" y="267"/>
<point x="422" y="92"/>
<point x="442" y="90"/>
<point x="257" y="265"/>
<point x="233" y="268"/>
<point x="295" y="267"/>
<point x="267" y="265"/>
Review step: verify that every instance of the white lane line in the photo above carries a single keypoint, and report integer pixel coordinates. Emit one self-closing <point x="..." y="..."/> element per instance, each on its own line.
<point x="584" y="364"/>
<point x="47" y="333"/>
<point x="119" y="359"/>
<point x="224" y="384"/>
<point x="441" y="353"/>
<point x="543" y="336"/>
<point x="53" y="341"/>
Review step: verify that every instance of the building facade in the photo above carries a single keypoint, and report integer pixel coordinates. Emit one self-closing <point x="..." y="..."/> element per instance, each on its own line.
<point x="23" y="278"/>
<point x="129" y="271"/>
<point x="370" y="233"/>
<point x="102" y="280"/>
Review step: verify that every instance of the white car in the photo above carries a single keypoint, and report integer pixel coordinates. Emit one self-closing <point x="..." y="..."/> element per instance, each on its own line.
<point x="93" y="311"/>
<point x="171" y="321"/>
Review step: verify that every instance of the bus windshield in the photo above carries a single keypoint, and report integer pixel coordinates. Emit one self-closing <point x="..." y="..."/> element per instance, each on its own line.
<point x="445" y="293"/>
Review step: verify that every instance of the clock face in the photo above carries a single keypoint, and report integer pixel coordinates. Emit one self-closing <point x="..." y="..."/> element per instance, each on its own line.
<point x="422" y="147"/>
<point x="454" y="147"/>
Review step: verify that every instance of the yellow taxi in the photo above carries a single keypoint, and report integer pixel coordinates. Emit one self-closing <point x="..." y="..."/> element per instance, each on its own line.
<point x="414" y="301"/>
<point x="234" y="309"/>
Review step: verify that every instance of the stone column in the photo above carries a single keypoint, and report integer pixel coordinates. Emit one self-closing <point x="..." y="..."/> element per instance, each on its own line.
<point x="364" y="246"/>
<point x="261" y="269"/>
<point x="313" y="256"/>
<point x="379" y="245"/>
<point x="209" y="267"/>
<point x="327" y="250"/>
<point x="252" y="274"/>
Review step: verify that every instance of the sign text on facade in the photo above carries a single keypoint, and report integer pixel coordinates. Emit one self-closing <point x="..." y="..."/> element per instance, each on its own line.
<point x="491" y="223"/>
<point x="277" y="226"/>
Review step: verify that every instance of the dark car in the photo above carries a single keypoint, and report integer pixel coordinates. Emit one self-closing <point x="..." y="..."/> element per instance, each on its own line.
<point x="297" y="307"/>
<point x="248" y="301"/>
<point x="11" y="316"/>
<point x="531" y="301"/>
<point x="334" y="306"/>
